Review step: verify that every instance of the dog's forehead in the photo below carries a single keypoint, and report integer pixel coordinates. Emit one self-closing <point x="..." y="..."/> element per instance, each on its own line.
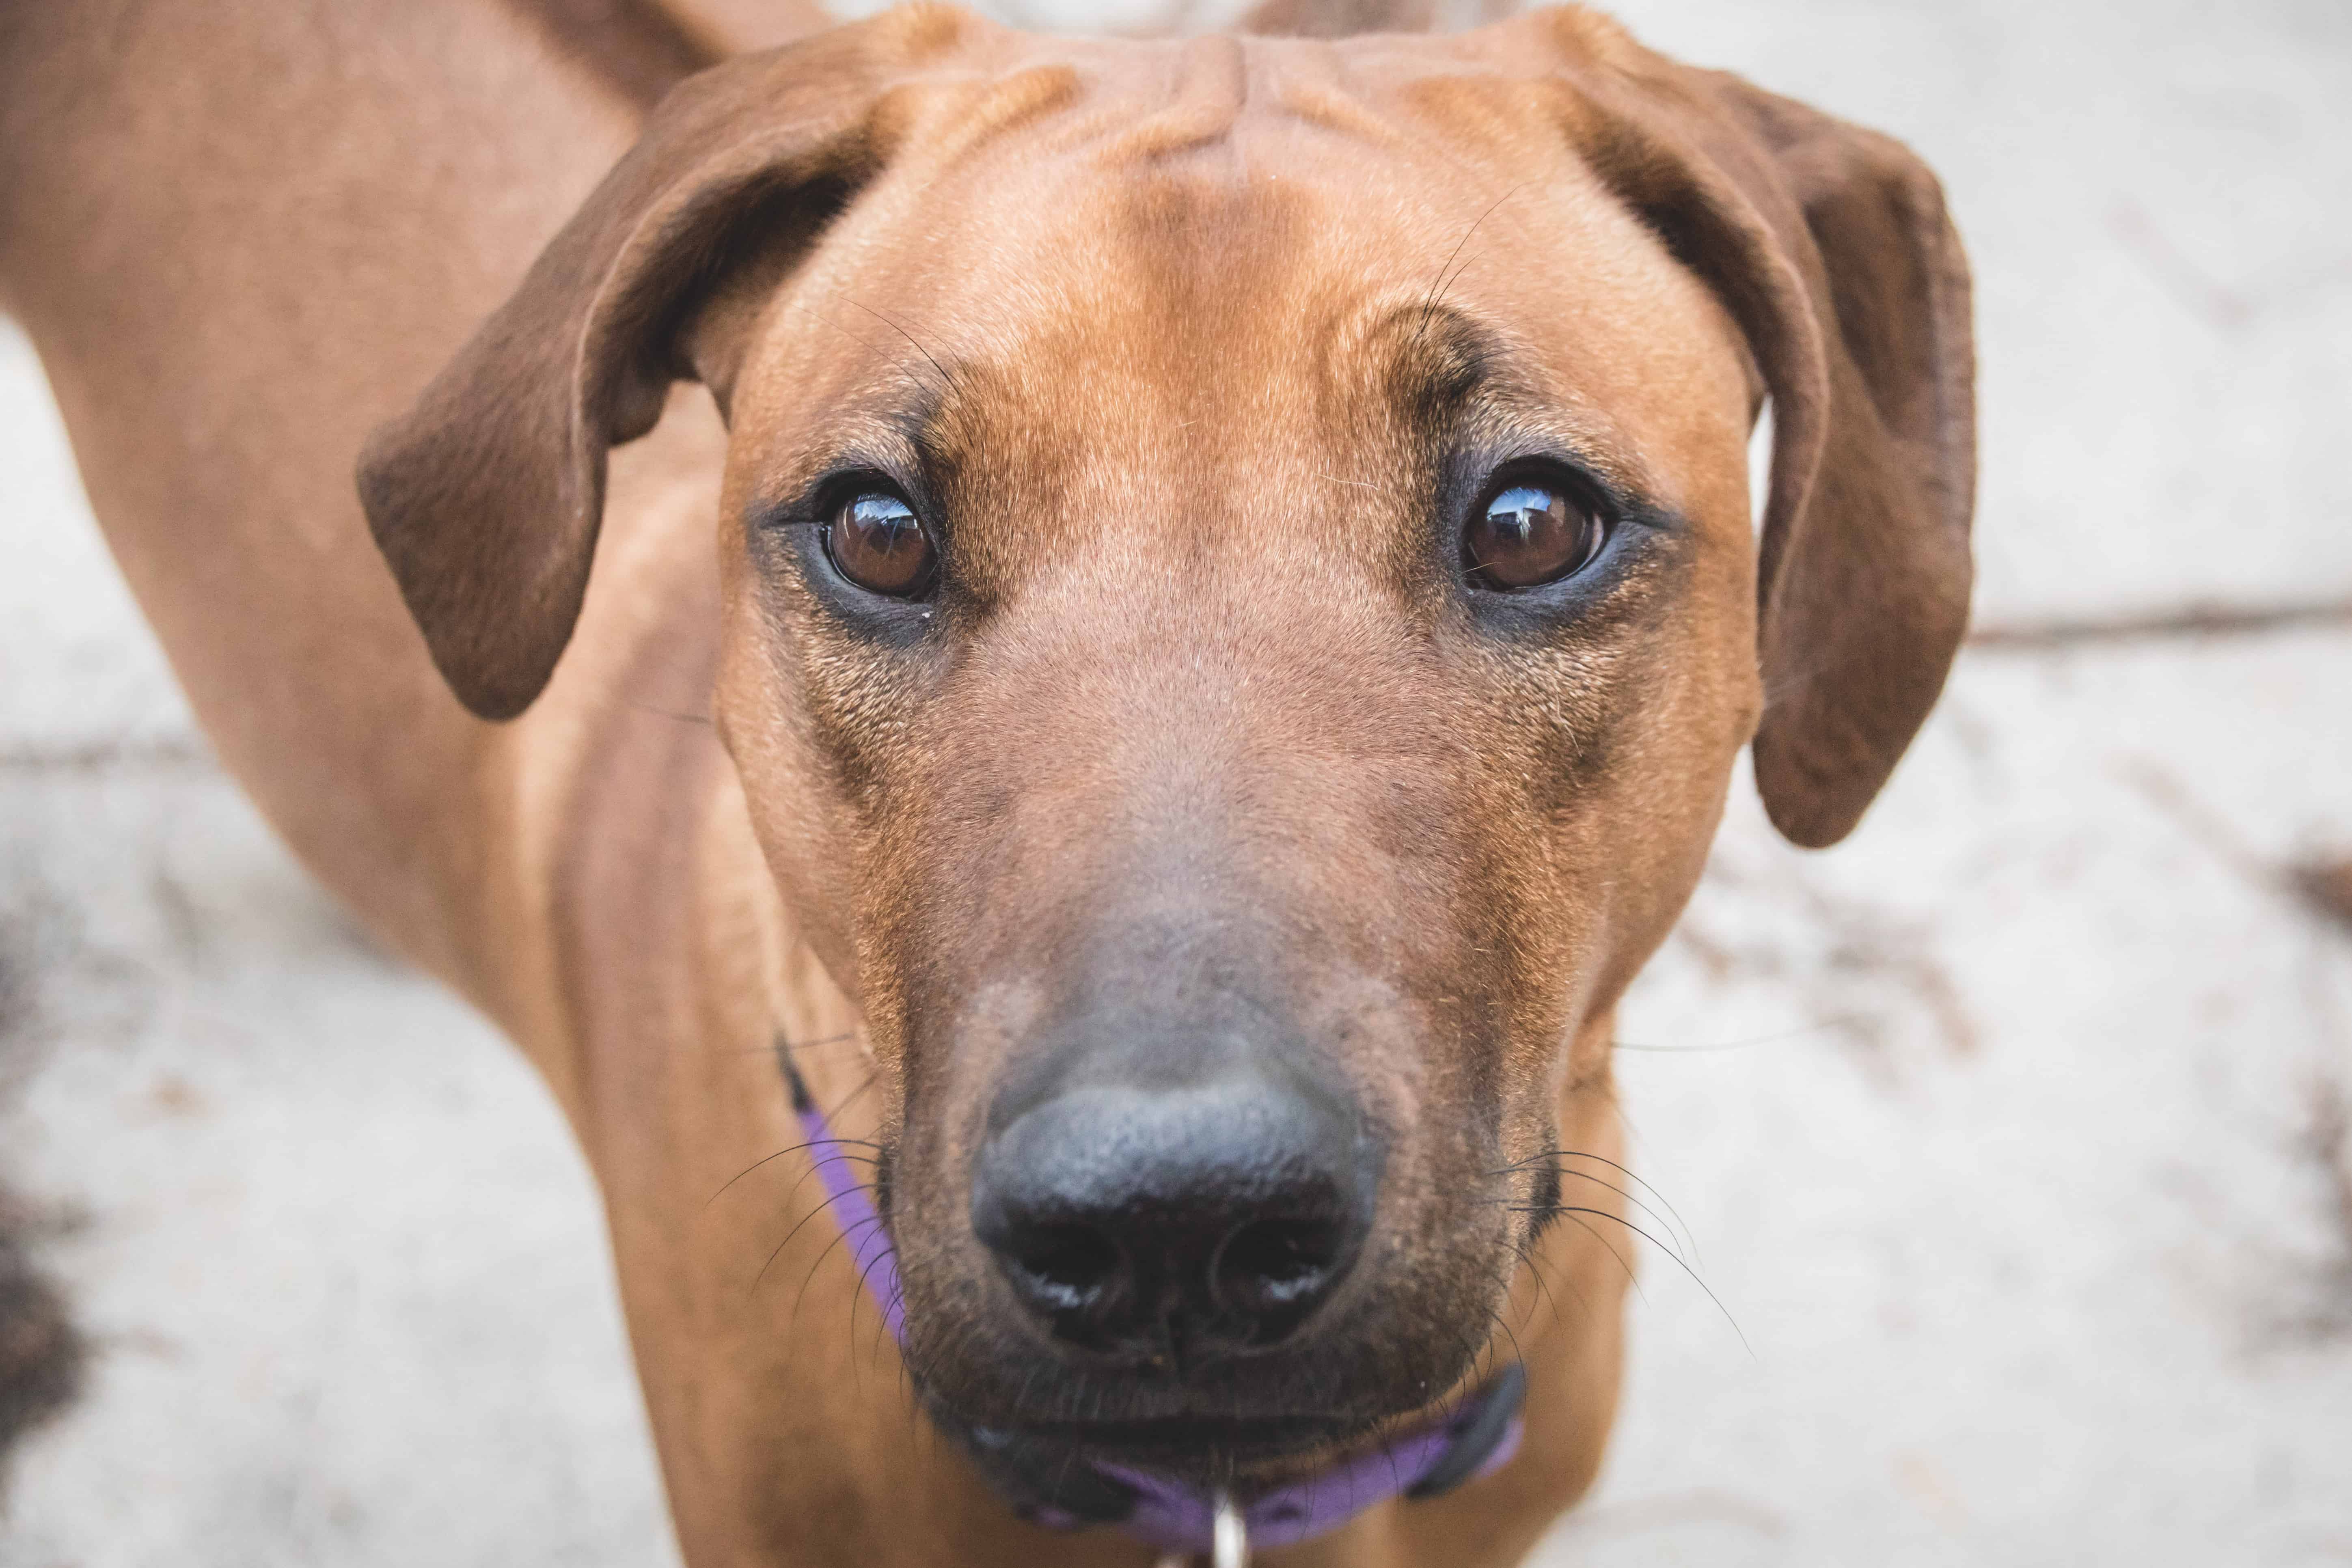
<point x="1220" y="262"/>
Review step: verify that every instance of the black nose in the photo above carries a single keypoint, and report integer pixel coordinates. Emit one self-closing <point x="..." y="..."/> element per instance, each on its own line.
<point x="1178" y="1223"/>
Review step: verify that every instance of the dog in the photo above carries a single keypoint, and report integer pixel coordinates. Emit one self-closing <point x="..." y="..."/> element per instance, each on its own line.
<point x="1055" y="683"/>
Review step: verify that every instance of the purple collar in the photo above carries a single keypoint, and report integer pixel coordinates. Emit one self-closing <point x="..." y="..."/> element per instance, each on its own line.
<point x="1175" y="1517"/>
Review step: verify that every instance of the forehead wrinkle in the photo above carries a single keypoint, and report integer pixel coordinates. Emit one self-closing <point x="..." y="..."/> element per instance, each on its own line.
<point x="1209" y="93"/>
<point x="972" y="118"/>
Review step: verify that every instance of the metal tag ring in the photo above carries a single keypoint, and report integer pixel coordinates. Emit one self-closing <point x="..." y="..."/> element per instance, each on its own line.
<point x="1228" y="1537"/>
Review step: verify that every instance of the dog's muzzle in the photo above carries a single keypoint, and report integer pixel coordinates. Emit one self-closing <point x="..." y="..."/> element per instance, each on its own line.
<point x="1048" y="1485"/>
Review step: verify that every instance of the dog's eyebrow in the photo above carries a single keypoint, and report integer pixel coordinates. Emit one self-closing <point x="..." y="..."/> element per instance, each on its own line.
<point x="896" y="435"/>
<point x="919" y="424"/>
<point x="1463" y="385"/>
<point x="1441" y="361"/>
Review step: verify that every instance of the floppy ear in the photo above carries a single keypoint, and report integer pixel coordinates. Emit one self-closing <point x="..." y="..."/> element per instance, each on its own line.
<point x="487" y="495"/>
<point x="1830" y="247"/>
<point x="1864" y="587"/>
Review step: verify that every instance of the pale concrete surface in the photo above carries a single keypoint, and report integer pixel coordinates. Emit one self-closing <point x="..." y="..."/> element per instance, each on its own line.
<point x="2002" y="1134"/>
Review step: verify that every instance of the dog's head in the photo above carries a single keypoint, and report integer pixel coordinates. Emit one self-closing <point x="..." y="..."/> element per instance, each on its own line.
<point x="1240" y="607"/>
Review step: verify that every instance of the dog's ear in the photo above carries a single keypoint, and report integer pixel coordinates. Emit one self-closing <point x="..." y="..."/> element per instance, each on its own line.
<point x="1830" y="247"/>
<point x="487" y="495"/>
<point x="1864" y="578"/>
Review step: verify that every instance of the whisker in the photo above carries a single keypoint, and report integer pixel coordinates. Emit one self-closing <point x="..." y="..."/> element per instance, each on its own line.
<point x="851" y="1098"/>
<point x="866" y="1289"/>
<point x="809" y="1279"/>
<point x="1543" y="1286"/>
<point x="1680" y="1263"/>
<point x="1437" y="291"/>
<point x="1571" y="1215"/>
<point x="828" y="1202"/>
<point x="781" y="1044"/>
<point x="947" y="382"/>
<point x="1663" y="1211"/>
<point x="901" y="365"/>
<point x="1534" y="1260"/>
<point x="1795" y="681"/>
<point x="1517" y="1354"/>
<point x="779" y="1154"/>
<point x="1672" y="1215"/>
<point x="701" y="718"/>
<point x="1817" y="1028"/>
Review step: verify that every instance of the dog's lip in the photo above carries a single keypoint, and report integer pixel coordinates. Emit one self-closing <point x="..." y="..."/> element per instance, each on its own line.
<point x="1143" y="1442"/>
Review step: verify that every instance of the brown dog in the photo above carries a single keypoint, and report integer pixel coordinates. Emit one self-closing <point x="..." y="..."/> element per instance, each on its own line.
<point x="1234" y="607"/>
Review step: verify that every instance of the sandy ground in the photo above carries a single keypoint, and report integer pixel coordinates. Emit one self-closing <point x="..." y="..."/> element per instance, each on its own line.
<point x="2006" y="1145"/>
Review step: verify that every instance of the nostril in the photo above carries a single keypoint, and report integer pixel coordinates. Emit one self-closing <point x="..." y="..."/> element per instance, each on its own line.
<point x="1170" y="1225"/>
<point x="1271" y="1264"/>
<point x="1069" y="1266"/>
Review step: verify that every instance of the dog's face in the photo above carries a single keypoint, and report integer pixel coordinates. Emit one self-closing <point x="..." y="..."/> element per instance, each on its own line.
<point x="1239" y="613"/>
<point x="1174" y="654"/>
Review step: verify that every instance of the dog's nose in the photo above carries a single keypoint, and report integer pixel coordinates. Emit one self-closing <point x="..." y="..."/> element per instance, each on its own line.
<point x="1175" y="1225"/>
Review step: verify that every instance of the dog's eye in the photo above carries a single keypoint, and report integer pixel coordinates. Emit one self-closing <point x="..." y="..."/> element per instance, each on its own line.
<point x="877" y="542"/>
<point x="1530" y="534"/>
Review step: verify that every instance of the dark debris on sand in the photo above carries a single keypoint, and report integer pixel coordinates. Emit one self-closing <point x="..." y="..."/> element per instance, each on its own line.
<point x="2327" y="887"/>
<point x="42" y="1357"/>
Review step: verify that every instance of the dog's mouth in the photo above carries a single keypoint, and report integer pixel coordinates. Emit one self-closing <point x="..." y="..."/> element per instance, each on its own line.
<point x="1148" y="1422"/>
<point x="1242" y="1423"/>
<point x="1093" y="1471"/>
<point x="1057" y="1462"/>
<point x="1187" y="1444"/>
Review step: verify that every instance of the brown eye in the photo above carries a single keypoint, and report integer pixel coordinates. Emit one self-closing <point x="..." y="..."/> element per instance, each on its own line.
<point x="1529" y="534"/>
<point x="877" y="542"/>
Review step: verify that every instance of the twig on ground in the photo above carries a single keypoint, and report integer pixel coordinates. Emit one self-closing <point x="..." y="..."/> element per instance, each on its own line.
<point x="2185" y="621"/>
<point x="2321" y="885"/>
<point x="162" y="753"/>
<point x="2327" y="887"/>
